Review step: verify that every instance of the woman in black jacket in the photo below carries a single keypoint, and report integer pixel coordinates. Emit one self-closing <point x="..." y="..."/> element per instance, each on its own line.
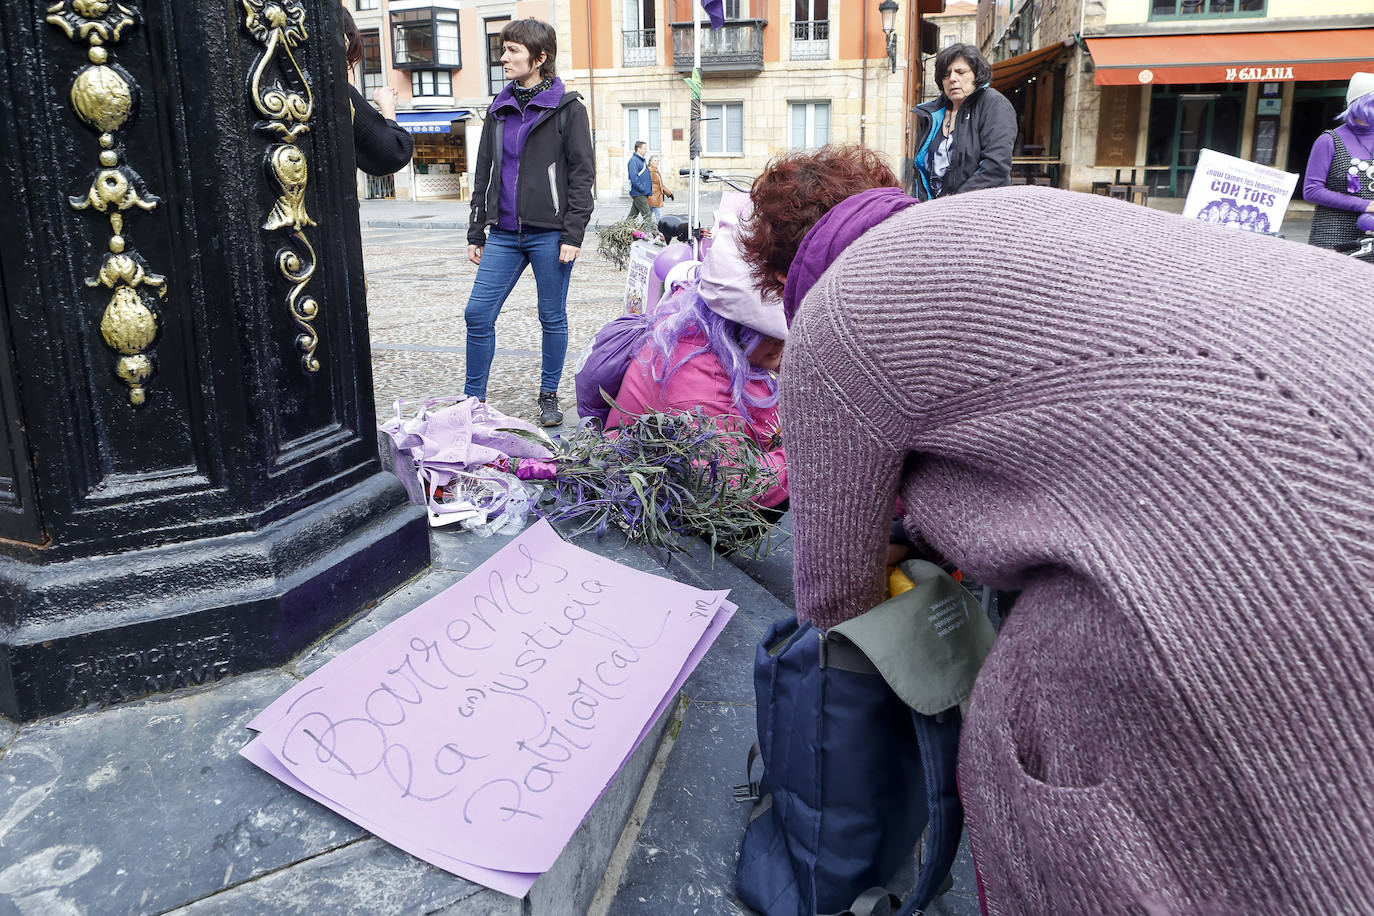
<point x="380" y="145"/>
<point x="965" y="137"/>
<point x="531" y="200"/>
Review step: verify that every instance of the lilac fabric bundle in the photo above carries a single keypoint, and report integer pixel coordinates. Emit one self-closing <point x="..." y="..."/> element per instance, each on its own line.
<point x="448" y="439"/>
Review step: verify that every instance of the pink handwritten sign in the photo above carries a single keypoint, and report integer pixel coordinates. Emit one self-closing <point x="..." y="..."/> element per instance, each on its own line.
<point x="478" y="730"/>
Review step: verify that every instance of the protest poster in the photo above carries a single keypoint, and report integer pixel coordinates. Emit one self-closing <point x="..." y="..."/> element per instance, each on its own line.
<point x="478" y="730"/>
<point x="639" y="275"/>
<point x="1238" y="194"/>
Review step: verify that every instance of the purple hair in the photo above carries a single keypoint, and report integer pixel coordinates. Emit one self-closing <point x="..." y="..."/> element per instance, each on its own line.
<point x="685" y="314"/>
<point x="1361" y="111"/>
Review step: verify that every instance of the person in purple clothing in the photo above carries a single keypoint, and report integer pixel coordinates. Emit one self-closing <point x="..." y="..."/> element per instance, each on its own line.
<point x="1340" y="171"/>
<point x="1175" y="717"/>
<point x="531" y="200"/>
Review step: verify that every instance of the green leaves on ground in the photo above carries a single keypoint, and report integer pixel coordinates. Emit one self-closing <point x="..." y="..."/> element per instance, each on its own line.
<point x="662" y="478"/>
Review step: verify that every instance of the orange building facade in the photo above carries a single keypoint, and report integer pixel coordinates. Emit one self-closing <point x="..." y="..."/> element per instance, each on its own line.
<point x="780" y="74"/>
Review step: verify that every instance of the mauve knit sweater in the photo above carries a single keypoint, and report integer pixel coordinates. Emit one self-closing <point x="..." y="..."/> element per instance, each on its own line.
<point x="1162" y="431"/>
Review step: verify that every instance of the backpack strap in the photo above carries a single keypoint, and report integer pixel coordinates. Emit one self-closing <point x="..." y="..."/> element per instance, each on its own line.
<point x="938" y="737"/>
<point x="876" y="901"/>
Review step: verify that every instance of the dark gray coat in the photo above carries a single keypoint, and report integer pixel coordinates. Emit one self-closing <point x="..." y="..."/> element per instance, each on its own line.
<point x="557" y="168"/>
<point x="980" y="155"/>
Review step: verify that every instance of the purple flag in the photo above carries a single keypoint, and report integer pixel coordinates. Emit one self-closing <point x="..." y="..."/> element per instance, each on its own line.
<point x="715" y="11"/>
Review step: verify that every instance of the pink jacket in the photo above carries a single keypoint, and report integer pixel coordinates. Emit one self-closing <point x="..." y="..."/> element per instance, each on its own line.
<point x="702" y="382"/>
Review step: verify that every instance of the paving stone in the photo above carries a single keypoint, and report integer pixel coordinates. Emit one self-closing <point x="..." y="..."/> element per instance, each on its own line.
<point x="146" y="806"/>
<point x="684" y="858"/>
<point x="367" y="875"/>
<point x="774" y="572"/>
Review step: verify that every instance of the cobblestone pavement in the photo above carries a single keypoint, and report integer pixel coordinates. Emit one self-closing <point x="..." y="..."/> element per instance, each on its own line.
<point x="418" y="285"/>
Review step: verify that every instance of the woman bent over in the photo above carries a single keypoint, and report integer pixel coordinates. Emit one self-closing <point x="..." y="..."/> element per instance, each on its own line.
<point x="1175" y="718"/>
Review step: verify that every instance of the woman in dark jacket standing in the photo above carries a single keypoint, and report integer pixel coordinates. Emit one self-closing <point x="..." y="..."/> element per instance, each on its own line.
<point x="380" y="145"/>
<point x="532" y="188"/>
<point x="965" y="137"/>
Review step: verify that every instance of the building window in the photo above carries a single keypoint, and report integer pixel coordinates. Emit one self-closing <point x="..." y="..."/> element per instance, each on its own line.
<point x="426" y="38"/>
<point x="431" y="82"/>
<point x="736" y="9"/>
<point x="372" y="62"/>
<point x="641" y="123"/>
<point x="810" y="123"/>
<point x="722" y="129"/>
<point x="365" y="5"/>
<point x="811" y="30"/>
<point x="1182" y="9"/>
<point x="640" y="37"/>
<point x="496" y="74"/>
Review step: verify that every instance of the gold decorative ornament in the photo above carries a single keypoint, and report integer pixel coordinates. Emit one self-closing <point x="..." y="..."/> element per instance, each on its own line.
<point x="128" y="270"/>
<point x="281" y="94"/>
<point x="105" y="98"/>
<point x="135" y="371"/>
<point x="128" y="325"/>
<point x="284" y="99"/>
<point x="288" y="165"/>
<point x="93" y="21"/>
<point x="118" y="188"/>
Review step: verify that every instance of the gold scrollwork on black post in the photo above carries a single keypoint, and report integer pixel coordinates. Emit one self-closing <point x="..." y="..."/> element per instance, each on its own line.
<point x="281" y="94"/>
<point x="105" y="97"/>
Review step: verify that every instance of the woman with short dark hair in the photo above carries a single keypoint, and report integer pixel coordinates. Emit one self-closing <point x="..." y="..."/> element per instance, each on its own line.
<point x="964" y="138"/>
<point x="532" y="190"/>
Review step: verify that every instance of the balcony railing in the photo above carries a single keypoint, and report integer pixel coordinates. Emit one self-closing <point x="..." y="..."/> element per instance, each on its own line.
<point x="641" y="47"/>
<point x="811" y="40"/>
<point x="735" y="48"/>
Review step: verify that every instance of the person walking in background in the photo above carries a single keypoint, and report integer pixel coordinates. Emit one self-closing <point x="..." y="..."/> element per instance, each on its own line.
<point x="532" y="189"/>
<point x="1059" y="416"/>
<point x="380" y="145"/>
<point x="965" y="137"/>
<point x="659" y="189"/>
<point x="1340" y="171"/>
<point x="641" y="184"/>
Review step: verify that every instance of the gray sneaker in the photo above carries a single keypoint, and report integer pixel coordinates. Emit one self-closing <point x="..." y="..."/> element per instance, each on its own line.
<point x="549" y="414"/>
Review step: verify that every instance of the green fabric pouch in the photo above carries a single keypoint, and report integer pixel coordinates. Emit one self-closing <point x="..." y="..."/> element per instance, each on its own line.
<point x="928" y="643"/>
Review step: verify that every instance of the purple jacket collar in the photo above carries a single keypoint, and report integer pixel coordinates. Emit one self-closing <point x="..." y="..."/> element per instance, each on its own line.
<point x="549" y="98"/>
<point x="832" y="234"/>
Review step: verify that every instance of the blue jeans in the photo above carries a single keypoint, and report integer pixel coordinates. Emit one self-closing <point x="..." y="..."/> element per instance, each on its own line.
<point x="503" y="261"/>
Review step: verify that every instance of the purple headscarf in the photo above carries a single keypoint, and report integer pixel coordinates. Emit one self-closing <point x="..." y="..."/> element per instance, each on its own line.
<point x="832" y="234"/>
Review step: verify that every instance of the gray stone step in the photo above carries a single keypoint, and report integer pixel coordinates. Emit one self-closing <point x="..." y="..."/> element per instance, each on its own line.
<point x="147" y="807"/>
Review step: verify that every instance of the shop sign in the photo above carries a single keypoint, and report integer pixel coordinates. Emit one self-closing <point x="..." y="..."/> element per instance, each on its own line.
<point x="1257" y="74"/>
<point x="1238" y="194"/>
<point x="1118" y="124"/>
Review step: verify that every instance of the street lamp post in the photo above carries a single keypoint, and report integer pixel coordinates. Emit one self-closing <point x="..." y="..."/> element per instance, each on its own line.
<point x="888" y="10"/>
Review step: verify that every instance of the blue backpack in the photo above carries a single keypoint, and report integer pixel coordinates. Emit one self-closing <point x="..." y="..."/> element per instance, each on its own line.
<point x="858" y="731"/>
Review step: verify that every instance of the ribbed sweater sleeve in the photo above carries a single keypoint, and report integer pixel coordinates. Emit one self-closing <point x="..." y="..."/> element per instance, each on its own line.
<point x="842" y="477"/>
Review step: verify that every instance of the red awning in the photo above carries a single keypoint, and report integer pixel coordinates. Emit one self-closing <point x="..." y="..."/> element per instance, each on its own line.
<point x="1008" y="73"/>
<point x="1244" y="57"/>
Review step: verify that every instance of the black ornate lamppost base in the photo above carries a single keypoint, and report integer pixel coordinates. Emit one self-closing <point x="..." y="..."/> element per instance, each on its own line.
<point x="195" y="613"/>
